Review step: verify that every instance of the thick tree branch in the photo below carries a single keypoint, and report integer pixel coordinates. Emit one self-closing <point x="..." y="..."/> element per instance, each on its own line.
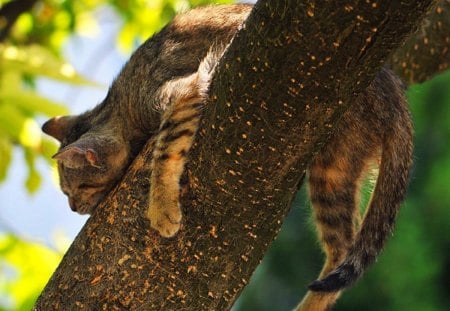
<point x="427" y="52"/>
<point x="279" y="90"/>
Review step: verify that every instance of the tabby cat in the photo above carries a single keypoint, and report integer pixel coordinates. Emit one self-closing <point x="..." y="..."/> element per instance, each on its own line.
<point x="160" y="93"/>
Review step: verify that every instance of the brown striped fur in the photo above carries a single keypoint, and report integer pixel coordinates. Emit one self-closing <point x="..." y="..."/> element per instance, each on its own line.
<point x="176" y="135"/>
<point x="160" y="93"/>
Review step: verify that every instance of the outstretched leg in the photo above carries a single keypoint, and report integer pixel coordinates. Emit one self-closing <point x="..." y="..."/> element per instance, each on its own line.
<point x="186" y="97"/>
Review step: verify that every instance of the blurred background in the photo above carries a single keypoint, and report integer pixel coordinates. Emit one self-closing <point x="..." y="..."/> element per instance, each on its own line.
<point x="59" y="57"/>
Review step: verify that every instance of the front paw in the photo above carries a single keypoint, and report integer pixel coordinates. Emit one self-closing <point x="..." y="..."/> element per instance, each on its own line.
<point x="165" y="219"/>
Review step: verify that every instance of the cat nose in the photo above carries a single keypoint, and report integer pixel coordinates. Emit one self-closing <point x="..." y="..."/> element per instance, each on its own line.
<point x="72" y="204"/>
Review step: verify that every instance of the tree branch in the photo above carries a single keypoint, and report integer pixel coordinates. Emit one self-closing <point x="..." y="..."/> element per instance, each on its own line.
<point x="278" y="92"/>
<point x="426" y="53"/>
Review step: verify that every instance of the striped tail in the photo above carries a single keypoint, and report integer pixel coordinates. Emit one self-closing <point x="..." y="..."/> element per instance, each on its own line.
<point x="378" y="223"/>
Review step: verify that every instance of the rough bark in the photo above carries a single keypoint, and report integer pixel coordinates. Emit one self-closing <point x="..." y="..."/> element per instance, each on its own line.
<point x="426" y="53"/>
<point x="279" y="90"/>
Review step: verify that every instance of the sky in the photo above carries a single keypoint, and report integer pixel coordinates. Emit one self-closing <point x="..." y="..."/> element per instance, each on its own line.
<point x="45" y="216"/>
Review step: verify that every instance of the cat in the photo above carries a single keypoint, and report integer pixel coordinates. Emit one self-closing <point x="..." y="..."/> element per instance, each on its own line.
<point x="160" y="93"/>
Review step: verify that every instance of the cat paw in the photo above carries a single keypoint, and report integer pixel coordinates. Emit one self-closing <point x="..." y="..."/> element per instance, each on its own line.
<point x="166" y="221"/>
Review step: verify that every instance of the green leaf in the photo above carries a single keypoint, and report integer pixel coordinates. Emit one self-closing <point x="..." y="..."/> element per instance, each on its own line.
<point x="32" y="102"/>
<point x="48" y="149"/>
<point x="29" y="265"/>
<point x="11" y="120"/>
<point x="38" y="60"/>
<point x="5" y="156"/>
<point x="34" y="179"/>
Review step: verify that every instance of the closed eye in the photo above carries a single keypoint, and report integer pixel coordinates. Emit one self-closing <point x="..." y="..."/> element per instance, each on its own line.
<point x="89" y="186"/>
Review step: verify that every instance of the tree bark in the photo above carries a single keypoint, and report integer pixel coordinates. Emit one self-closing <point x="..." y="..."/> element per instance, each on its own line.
<point x="280" y="88"/>
<point x="426" y="53"/>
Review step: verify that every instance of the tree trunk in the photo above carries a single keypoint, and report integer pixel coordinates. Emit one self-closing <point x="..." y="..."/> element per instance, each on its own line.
<point x="287" y="77"/>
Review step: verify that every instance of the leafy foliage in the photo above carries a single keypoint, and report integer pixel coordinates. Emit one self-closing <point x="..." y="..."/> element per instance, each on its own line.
<point x="20" y="104"/>
<point x="25" y="268"/>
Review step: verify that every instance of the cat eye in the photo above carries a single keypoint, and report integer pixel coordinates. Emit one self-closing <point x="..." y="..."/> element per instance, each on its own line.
<point x="86" y="186"/>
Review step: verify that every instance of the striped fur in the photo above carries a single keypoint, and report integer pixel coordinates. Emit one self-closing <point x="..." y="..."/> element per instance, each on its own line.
<point x="186" y="97"/>
<point x="378" y="127"/>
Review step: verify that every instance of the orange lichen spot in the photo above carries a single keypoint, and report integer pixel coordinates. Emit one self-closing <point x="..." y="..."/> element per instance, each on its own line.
<point x="313" y="57"/>
<point x="210" y="294"/>
<point x="192" y="269"/>
<point x="227" y="151"/>
<point x="96" y="279"/>
<point x="254" y="68"/>
<point x="123" y="259"/>
<point x="79" y="304"/>
<point x="233" y="173"/>
<point x="252" y="235"/>
<point x="213" y="232"/>
<point x="244" y="258"/>
<point x="110" y="219"/>
<point x="244" y="136"/>
<point x="310" y="13"/>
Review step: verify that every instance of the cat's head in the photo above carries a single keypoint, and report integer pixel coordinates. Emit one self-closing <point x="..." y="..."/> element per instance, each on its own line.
<point x="91" y="160"/>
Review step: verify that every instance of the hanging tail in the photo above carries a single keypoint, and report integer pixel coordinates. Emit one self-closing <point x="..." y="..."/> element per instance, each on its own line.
<point x="390" y="191"/>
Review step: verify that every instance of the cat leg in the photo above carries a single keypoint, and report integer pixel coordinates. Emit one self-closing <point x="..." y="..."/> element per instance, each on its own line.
<point x="186" y="97"/>
<point x="334" y="183"/>
<point x="175" y="138"/>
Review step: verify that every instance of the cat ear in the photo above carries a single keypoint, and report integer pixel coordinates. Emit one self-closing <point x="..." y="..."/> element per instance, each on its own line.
<point x="76" y="156"/>
<point x="57" y="127"/>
